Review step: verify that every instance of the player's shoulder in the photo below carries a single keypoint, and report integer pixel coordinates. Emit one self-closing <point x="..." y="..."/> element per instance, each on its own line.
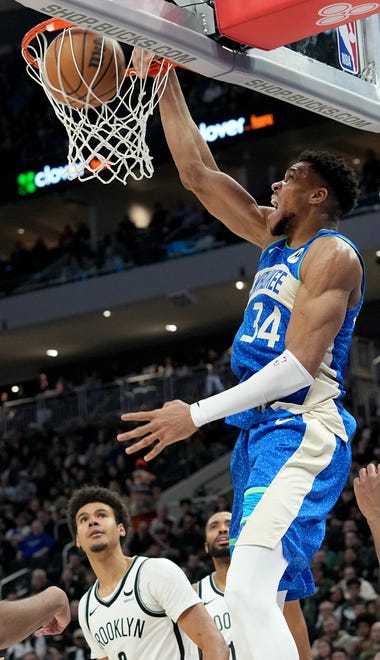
<point x="161" y="579"/>
<point x="160" y="566"/>
<point x="156" y="561"/>
<point x="333" y="250"/>
<point x="333" y="241"/>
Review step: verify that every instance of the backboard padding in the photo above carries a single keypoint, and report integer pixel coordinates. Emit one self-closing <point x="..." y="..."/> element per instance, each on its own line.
<point x="269" y="24"/>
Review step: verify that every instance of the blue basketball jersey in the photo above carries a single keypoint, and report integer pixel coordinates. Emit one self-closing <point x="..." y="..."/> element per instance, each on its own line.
<point x="261" y="338"/>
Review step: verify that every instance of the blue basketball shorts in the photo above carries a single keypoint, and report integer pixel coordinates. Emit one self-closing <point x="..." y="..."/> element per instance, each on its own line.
<point x="287" y="474"/>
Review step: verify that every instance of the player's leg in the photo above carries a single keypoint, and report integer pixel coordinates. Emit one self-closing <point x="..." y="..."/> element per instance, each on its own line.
<point x="251" y="638"/>
<point x="295" y="619"/>
<point x="240" y="475"/>
<point x="293" y="480"/>
<point x="260" y="629"/>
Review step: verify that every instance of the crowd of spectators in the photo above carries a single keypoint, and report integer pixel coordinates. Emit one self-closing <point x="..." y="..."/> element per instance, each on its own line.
<point x="27" y="124"/>
<point x="183" y="230"/>
<point x="209" y="366"/>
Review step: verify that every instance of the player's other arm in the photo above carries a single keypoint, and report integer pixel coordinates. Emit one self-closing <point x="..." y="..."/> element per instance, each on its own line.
<point x="331" y="277"/>
<point x="223" y="197"/>
<point x="46" y="613"/>
<point x="198" y="625"/>
<point x="367" y="493"/>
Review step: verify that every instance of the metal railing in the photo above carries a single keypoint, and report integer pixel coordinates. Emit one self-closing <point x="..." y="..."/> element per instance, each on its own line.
<point x="148" y="391"/>
<point x="18" y="583"/>
<point x="141" y="392"/>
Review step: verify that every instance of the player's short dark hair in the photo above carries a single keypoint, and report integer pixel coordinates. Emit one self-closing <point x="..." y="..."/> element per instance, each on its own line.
<point x="338" y="175"/>
<point x="89" y="494"/>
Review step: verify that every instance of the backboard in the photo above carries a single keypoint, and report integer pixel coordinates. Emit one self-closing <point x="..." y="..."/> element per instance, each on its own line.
<point x="308" y="73"/>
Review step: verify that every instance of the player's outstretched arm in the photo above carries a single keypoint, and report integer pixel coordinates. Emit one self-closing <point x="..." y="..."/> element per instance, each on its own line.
<point x="47" y="613"/>
<point x="224" y="197"/>
<point x="367" y="493"/>
<point x="199" y="626"/>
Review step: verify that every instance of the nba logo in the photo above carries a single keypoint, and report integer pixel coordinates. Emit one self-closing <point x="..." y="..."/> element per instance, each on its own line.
<point x="348" y="47"/>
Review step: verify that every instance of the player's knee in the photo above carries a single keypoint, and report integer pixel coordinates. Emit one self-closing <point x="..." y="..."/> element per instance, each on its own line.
<point x="248" y="589"/>
<point x="244" y="606"/>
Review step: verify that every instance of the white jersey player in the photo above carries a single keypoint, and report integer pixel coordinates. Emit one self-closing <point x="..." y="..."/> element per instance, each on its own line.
<point x="215" y="604"/>
<point x="138" y="608"/>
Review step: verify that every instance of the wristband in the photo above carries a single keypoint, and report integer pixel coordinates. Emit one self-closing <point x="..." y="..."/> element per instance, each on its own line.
<point x="282" y="376"/>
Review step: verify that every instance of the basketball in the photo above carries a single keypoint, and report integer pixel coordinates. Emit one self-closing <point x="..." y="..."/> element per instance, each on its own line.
<point x="83" y="68"/>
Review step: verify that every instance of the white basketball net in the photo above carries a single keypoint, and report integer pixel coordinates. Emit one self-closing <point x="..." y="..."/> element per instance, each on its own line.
<point x="107" y="142"/>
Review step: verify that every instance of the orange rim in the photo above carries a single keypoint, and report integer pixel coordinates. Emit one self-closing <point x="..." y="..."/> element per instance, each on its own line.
<point x="157" y="66"/>
<point x="54" y="24"/>
<point x="51" y="25"/>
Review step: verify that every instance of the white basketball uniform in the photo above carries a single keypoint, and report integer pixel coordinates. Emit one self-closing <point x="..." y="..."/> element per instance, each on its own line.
<point x="213" y="600"/>
<point x="138" y="620"/>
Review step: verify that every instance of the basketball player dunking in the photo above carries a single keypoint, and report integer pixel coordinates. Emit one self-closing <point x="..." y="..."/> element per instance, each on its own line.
<point x="138" y="608"/>
<point x="292" y="456"/>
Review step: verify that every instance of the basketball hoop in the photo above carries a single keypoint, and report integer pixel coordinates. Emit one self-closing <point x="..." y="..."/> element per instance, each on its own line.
<point x="106" y="142"/>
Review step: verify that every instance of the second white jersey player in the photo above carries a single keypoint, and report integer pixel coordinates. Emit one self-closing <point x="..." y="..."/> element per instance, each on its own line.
<point x="213" y="600"/>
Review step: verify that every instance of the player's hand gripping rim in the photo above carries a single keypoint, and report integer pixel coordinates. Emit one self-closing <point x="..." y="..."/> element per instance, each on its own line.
<point x="146" y="63"/>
